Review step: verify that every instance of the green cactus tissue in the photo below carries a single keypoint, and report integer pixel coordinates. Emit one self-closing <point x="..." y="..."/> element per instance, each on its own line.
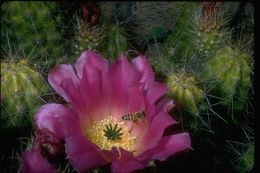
<point x="246" y="163"/>
<point x="185" y="90"/>
<point x="31" y="29"/>
<point x="116" y="42"/>
<point x="21" y="88"/>
<point x="228" y="74"/>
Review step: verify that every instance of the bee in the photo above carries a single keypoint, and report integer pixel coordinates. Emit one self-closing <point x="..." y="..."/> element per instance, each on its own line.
<point x="133" y="116"/>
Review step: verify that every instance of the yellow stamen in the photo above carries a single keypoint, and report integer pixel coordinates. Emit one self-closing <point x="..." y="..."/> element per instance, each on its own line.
<point x="96" y="134"/>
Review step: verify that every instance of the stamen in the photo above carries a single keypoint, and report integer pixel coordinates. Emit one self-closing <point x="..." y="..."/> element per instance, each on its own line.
<point x="109" y="133"/>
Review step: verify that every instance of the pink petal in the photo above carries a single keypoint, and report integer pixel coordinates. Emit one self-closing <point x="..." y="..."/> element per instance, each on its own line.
<point x="126" y="162"/>
<point x="155" y="91"/>
<point x="90" y="89"/>
<point x="93" y="59"/>
<point x="142" y="65"/>
<point x="121" y="76"/>
<point x="34" y="162"/>
<point x="166" y="147"/>
<point x="57" y="119"/>
<point x="154" y="131"/>
<point x="165" y="104"/>
<point x="58" y="74"/>
<point x="135" y="100"/>
<point x="82" y="154"/>
<point x="73" y="94"/>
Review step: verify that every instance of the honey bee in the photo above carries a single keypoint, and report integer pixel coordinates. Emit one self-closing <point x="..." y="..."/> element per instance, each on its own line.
<point x="133" y="116"/>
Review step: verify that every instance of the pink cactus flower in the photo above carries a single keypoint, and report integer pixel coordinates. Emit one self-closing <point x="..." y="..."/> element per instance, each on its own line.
<point x="115" y="114"/>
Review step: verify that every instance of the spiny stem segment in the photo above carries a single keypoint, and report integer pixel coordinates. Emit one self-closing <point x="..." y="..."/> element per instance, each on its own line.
<point x="113" y="133"/>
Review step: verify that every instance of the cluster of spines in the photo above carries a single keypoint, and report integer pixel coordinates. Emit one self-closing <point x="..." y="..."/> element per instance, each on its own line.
<point x="21" y="88"/>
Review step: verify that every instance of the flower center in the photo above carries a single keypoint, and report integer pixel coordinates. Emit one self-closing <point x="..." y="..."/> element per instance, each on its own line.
<point x="109" y="133"/>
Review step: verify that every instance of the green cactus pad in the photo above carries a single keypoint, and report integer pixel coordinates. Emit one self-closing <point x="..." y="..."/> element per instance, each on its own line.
<point x="246" y="163"/>
<point x="228" y="73"/>
<point x="180" y="39"/>
<point x="185" y="91"/>
<point x="116" y="42"/>
<point x="21" y="87"/>
<point x="30" y="28"/>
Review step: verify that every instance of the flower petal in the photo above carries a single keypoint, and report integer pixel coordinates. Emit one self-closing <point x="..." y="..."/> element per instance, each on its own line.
<point x="142" y="65"/>
<point x="91" y="58"/>
<point x="35" y="163"/>
<point x="73" y="94"/>
<point x="120" y="77"/>
<point x="154" y="131"/>
<point x="135" y="100"/>
<point x="154" y="92"/>
<point x="166" y="147"/>
<point x="165" y="104"/>
<point x="58" y="74"/>
<point x="57" y="119"/>
<point x="125" y="163"/>
<point x="82" y="154"/>
<point x="90" y="89"/>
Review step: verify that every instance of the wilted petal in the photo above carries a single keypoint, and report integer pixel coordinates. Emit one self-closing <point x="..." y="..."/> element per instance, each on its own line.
<point x="167" y="146"/>
<point x="50" y="146"/>
<point x="57" y="119"/>
<point x="33" y="162"/>
<point x="82" y="154"/>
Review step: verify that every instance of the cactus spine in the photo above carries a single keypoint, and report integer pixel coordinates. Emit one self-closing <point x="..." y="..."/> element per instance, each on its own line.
<point x="228" y="73"/>
<point x="21" y="87"/>
<point x="87" y="37"/>
<point x="32" y="30"/>
<point x="185" y="91"/>
<point x="116" y="42"/>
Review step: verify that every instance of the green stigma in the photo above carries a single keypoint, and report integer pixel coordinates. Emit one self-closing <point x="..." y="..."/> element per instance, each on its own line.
<point x="112" y="133"/>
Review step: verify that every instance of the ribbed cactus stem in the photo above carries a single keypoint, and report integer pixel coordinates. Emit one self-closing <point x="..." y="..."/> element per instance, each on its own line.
<point x="116" y="41"/>
<point x="185" y="91"/>
<point x="246" y="162"/>
<point x="21" y="88"/>
<point x="228" y="74"/>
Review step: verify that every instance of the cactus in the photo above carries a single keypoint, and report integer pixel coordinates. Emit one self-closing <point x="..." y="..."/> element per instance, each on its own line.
<point x="208" y="29"/>
<point x="198" y="28"/>
<point x="185" y="91"/>
<point x="116" y="42"/>
<point x="21" y="87"/>
<point x="87" y="37"/>
<point x="30" y="26"/>
<point x="246" y="162"/>
<point x="228" y="73"/>
<point x="180" y="42"/>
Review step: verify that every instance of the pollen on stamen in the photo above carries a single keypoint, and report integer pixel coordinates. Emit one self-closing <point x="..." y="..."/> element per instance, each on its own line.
<point x="99" y="133"/>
